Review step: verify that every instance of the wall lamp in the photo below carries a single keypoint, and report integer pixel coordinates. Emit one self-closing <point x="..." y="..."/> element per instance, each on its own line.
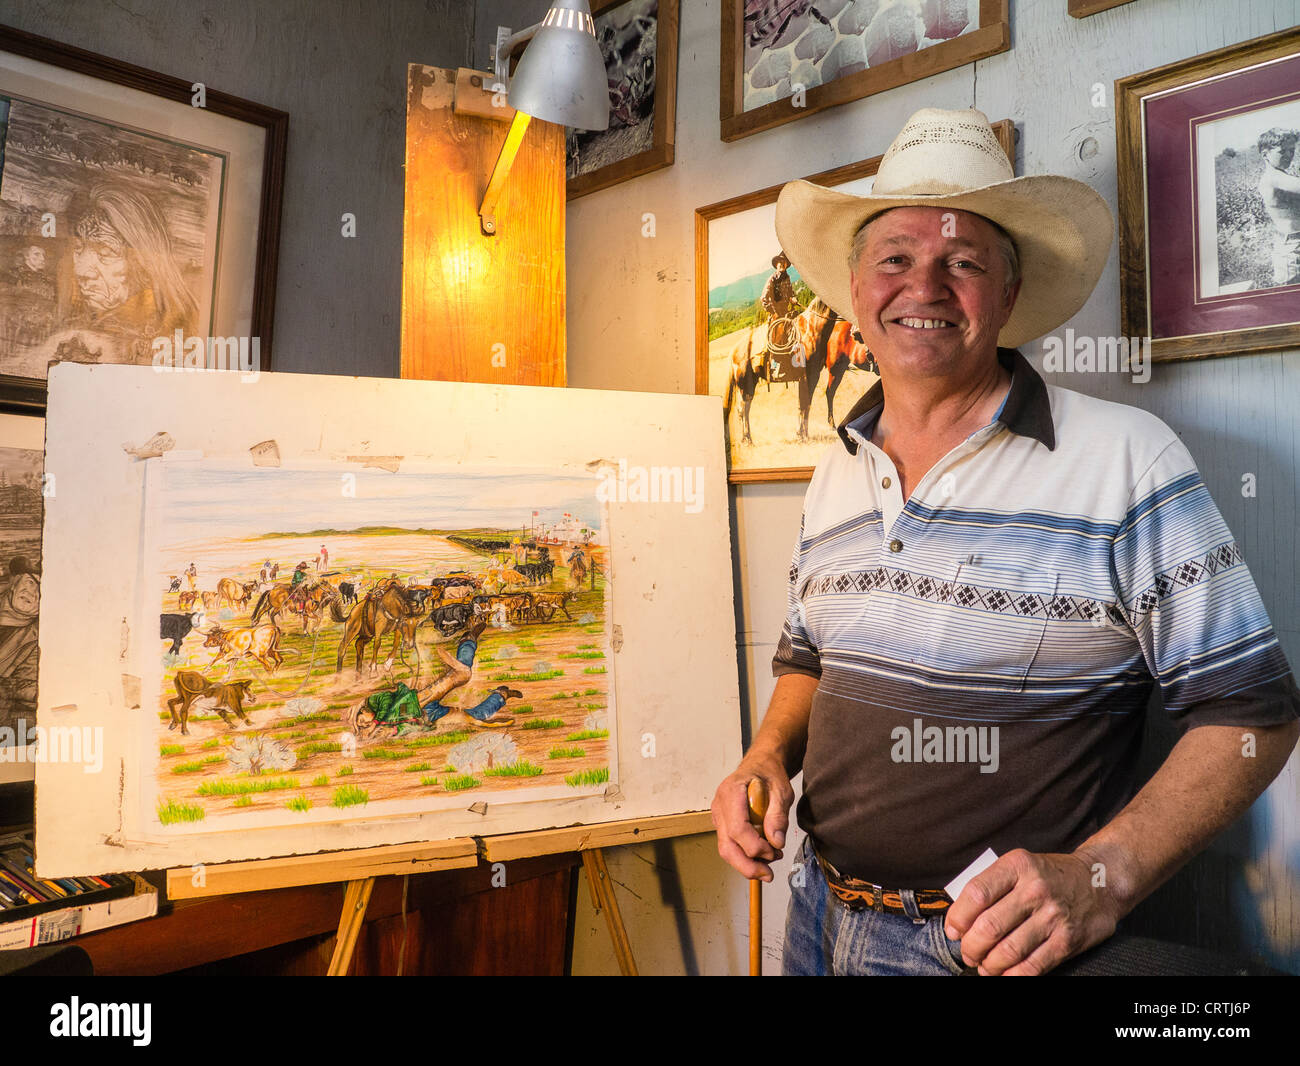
<point x="560" y="78"/>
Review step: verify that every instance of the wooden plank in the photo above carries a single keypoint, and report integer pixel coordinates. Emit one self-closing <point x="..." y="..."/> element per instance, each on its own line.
<point x="1083" y="8"/>
<point x="227" y="878"/>
<point x="356" y="898"/>
<point x="593" y="861"/>
<point x="474" y="307"/>
<point x="509" y="846"/>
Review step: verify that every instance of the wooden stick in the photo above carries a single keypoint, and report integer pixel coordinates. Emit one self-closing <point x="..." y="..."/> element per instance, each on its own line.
<point x="593" y="862"/>
<point x="356" y="898"/>
<point x="758" y="799"/>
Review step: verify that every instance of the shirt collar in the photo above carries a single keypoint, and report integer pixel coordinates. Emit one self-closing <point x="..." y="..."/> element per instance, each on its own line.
<point x="1025" y="411"/>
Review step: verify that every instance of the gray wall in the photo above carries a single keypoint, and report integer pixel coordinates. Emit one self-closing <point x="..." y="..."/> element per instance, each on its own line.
<point x="631" y="326"/>
<point x="338" y="67"/>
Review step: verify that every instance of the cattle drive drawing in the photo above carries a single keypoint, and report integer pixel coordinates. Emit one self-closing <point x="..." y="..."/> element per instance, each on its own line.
<point x="412" y="665"/>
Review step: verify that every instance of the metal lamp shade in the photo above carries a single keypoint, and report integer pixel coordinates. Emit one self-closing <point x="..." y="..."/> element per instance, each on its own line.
<point x="561" y="75"/>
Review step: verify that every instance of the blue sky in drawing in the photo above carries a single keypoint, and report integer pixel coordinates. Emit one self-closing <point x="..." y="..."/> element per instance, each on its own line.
<point x="215" y="501"/>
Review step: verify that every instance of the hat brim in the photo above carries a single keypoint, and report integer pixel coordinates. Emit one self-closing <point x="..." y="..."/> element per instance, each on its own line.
<point x="1062" y="229"/>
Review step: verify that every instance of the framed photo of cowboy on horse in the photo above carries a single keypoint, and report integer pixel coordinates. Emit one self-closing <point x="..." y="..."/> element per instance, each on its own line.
<point x="139" y="218"/>
<point x="1209" y="201"/>
<point x="785" y="365"/>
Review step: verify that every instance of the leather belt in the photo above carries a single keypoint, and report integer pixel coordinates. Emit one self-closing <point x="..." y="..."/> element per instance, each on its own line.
<point x="863" y="895"/>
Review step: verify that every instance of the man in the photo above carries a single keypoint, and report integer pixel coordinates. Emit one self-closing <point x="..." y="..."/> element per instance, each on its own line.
<point x="393" y="707"/>
<point x="1280" y="191"/>
<point x="991" y="576"/>
<point x="778" y="293"/>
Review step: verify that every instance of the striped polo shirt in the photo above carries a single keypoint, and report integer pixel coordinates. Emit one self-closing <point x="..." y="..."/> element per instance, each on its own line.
<point x="987" y="647"/>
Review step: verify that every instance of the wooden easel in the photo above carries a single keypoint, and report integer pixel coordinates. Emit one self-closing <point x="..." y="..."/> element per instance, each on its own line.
<point x="360" y="868"/>
<point x="502" y="322"/>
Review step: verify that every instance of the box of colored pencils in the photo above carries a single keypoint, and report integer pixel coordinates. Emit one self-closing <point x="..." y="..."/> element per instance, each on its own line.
<point x="23" y="894"/>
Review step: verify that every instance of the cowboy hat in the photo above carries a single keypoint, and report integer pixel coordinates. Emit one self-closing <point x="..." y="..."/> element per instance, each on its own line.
<point x="778" y="257"/>
<point x="1061" y="227"/>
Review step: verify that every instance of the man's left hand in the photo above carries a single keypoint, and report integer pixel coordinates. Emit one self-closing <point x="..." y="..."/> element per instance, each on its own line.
<point x="1027" y="913"/>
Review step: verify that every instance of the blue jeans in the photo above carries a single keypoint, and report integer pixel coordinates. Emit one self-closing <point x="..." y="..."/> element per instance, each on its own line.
<point x="433" y="710"/>
<point x="824" y="937"/>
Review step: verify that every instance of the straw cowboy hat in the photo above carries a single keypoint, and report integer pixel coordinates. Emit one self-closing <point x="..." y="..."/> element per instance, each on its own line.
<point x="1061" y="227"/>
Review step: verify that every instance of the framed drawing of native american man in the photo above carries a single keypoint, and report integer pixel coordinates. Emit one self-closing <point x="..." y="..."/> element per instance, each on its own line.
<point x="139" y="217"/>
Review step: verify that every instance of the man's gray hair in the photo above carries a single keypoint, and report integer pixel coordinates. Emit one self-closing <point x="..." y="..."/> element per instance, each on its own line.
<point x="1010" y="255"/>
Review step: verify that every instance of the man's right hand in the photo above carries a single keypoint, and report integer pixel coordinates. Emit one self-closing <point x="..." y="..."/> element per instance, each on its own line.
<point x="739" y="842"/>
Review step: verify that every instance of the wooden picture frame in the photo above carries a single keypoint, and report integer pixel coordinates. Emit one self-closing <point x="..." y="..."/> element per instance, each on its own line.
<point x="663" y="113"/>
<point x="991" y="36"/>
<point x="715" y="354"/>
<point x="1081" y="9"/>
<point x="1205" y="268"/>
<point x="214" y="237"/>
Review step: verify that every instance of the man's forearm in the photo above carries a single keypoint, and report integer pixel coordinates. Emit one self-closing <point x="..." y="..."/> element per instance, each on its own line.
<point x="784" y="732"/>
<point x="1207" y="782"/>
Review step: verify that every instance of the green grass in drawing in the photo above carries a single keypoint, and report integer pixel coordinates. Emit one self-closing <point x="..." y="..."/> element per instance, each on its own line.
<point x="213" y="743"/>
<point x="588" y="734"/>
<point x="350" y="796"/>
<point x="299" y="803"/>
<point x="581" y="655"/>
<point x="460" y="782"/>
<point x="170" y="812"/>
<point x="344" y="771"/>
<point x="227" y="787"/>
<point x="568" y="753"/>
<point x="588" y="777"/>
<point x="521" y="768"/>
<point x="419" y="767"/>
<point x="439" y="739"/>
<point x="171" y="749"/>
<point x="544" y="723"/>
<point x="593" y="669"/>
<point x="385" y="753"/>
<point x="317" y="747"/>
<point x="320" y="781"/>
<point x="539" y="675"/>
<point x="428" y="781"/>
<point x="243" y="801"/>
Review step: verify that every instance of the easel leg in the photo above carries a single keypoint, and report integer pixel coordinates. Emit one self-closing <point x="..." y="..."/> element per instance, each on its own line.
<point x="356" y="898"/>
<point x="602" y="893"/>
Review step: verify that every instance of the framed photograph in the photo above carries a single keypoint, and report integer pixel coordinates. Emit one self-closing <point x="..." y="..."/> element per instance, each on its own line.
<point x="1209" y="199"/>
<point x="639" y="41"/>
<point x="134" y="208"/>
<point x="1081" y="9"/>
<point x="786" y="367"/>
<point x="784" y="59"/>
<point x="22" y="459"/>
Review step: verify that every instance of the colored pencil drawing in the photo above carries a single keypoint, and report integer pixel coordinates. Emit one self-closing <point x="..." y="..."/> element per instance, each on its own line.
<point x="340" y="643"/>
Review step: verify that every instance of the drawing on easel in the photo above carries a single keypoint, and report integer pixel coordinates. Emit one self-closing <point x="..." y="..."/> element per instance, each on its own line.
<point x="339" y="642"/>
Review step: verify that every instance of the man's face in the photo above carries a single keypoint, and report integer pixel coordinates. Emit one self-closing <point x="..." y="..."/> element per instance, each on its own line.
<point x="1280" y="155"/>
<point x="101" y="270"/>
<point x="929" y="291"/>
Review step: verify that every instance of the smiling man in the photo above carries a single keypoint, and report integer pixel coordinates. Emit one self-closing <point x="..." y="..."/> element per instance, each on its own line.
<point x="991" y="577"/>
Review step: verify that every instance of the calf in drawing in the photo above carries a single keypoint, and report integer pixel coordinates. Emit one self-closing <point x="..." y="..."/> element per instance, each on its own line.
<point x="193" y="690"/>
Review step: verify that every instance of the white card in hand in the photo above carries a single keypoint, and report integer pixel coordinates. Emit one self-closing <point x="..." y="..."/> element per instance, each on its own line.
<point x="954" y="887"/>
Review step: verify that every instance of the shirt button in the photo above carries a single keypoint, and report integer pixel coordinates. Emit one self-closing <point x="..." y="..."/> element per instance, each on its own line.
<point x="886" y="483"/>
<point x="895" y="545"/>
